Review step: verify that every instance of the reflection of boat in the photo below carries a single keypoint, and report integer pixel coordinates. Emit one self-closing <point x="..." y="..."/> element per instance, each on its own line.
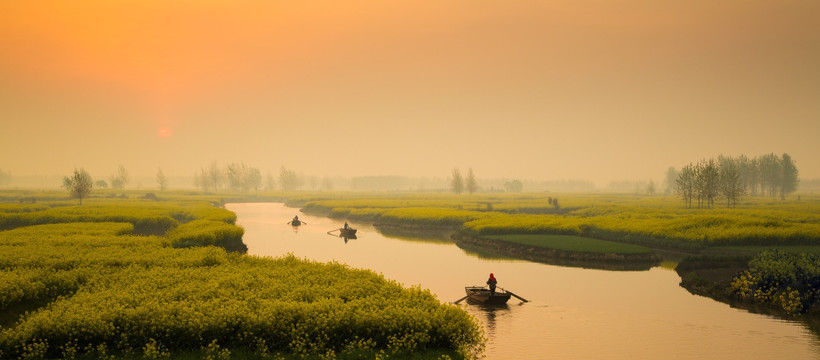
<point x="482" y="295"/>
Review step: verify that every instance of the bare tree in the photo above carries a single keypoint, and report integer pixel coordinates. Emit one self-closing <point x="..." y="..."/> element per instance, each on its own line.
<point x="685" y="184"/>
<point x="120" y="179"/>
<point x="79" y="184"/>
<point x="471" y="185"/>
<point x="708" y="183"/>
<point x="771" y="173"/>
<point x="288" y="179"/>
<point x="215" y="176"/>
<point x="730" y="183"/>
<point x="457" y="182"/>
<point x="162" y="180"/>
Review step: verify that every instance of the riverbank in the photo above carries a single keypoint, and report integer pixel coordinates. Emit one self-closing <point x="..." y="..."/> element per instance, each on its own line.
<point x="555" y="256"/>
<point x="779" y="283"/>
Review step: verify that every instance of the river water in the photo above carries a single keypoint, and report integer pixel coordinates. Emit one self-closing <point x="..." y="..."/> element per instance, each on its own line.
<point x="573" y="313"/>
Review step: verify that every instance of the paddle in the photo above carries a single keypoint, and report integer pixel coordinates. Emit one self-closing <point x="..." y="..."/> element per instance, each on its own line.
<point x="513" y="294"/>
<point x="460" y="300"/>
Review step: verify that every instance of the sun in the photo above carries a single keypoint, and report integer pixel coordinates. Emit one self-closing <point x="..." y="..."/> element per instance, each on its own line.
<point x="164" y="132"/>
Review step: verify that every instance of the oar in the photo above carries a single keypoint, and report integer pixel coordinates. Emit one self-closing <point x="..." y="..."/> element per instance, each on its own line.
<point x="460" y="300"/>
<point x="513" y="294"/>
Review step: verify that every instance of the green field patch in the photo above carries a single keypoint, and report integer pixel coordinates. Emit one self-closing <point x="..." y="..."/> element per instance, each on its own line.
<point x="572" y="243"/>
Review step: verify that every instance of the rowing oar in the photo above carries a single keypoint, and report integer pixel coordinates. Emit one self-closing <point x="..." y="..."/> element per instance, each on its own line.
<point x="460" y="300"/>
<point x="513" y="294"/>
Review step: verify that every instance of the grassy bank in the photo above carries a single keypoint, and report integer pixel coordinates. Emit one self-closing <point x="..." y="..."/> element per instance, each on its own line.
<point x="655" y="221"/>
<point x="573" y="243"/>
<point x="81" y="281"/>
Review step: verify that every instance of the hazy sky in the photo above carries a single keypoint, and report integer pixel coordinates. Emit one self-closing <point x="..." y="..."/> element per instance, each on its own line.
<point x="597" y="90"/>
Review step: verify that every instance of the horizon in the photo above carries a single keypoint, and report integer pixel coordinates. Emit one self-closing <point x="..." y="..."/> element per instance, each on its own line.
<point x="600" y="91"/>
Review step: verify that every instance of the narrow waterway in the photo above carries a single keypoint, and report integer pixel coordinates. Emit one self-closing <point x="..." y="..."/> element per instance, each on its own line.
<point x="573" y="313"/>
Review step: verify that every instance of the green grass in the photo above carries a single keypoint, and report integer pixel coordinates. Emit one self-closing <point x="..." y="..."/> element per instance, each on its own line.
<point x="573" y="243"/>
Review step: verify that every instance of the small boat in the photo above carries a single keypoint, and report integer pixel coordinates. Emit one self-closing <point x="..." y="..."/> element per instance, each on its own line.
<point x="347" y="232"/>
<point x="482" y="296"/>
<point x="295" y="222"/>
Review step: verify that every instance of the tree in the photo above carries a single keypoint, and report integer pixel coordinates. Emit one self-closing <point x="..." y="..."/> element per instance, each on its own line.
<point x="471" y="185"/>
<point x="730" y="184"/>
<point x="162" y="180"/>
<point x="685" y="184"/>
<point x="101" y="184"/>
<point x="514" y="186"/>
<point x="78" y="185"/>
<point x="215" y="177"/>
<point x="771" y="173"/>
<point x="327" y="184"/>
<point x="708" y="183"/>
<point x="270" y="183"/>
<point x="120" y="179"/>
<point x="789" y="178"/>
<point x="457" y="182"/>
<point x="288" y="179"/>
<point x="671" y="180"/>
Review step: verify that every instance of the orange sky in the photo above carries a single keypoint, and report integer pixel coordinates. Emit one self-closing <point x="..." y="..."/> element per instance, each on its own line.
<point x="592" y="89"/>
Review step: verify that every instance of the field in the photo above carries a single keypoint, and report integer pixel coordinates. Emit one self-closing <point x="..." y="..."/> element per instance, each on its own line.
<point x="134" y="278"/>
<point x="656" y="221"/>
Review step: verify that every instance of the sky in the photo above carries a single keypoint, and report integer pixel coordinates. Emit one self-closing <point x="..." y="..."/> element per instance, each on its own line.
<point x="594" y="90"/>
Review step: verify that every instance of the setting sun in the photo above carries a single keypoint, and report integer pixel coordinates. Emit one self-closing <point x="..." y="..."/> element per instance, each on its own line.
<point x="164" y="132"/>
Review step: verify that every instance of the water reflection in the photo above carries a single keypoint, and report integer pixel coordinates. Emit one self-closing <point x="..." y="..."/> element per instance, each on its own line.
<point x="573" y="313"/>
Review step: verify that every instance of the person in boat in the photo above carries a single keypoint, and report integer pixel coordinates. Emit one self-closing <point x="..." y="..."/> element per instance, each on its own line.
<point x="492" y="282"/>
<point x="345" y="225"/>
<point x="295" y="220"/>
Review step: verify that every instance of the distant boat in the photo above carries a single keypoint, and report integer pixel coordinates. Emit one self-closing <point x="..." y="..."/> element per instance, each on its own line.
<point x="482" y="296"/>
<point x="296" y="222"/>
<point x="347" y="232"/>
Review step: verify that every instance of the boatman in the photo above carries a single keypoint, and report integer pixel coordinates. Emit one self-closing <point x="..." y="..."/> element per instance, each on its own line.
<point x="492" y="281"/>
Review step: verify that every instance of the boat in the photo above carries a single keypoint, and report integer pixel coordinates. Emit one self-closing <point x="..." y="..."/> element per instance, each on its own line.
<point x="295" y="222"/>
<point x="347" y="232"/>
<point x="481" y="295"/>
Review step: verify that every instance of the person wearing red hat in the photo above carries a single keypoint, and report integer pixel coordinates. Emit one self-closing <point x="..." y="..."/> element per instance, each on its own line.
<point x="492" y="281"/>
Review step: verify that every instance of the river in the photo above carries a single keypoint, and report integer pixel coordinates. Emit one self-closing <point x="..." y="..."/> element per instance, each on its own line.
<point x="573" y="313"/>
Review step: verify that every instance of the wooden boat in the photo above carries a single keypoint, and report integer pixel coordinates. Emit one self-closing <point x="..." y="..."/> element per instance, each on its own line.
<point x="295" y="222"/>
<point x="481" y="295"/>
<point x="349" y="232"/>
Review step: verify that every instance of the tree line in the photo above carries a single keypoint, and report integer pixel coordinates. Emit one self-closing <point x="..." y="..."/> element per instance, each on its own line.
<point x="732" y="178"/>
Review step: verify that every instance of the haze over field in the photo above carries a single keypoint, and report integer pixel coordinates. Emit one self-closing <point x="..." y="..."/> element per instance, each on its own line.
<point x="599" y="90"/>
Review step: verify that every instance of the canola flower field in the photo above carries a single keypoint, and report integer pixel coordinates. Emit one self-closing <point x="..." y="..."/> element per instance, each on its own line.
<point x="122" y="278"/>
<point x="659" y="221"/>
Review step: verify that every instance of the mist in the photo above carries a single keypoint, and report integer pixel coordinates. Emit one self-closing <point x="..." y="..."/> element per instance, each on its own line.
<point x="598" y="93"/>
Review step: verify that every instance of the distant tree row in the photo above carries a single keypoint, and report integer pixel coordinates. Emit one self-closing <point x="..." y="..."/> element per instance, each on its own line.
<point x="459" y="184"/>
<point x="242" y="178"/>
<point x="733" y="178"/>
<point x="234" y="177"/>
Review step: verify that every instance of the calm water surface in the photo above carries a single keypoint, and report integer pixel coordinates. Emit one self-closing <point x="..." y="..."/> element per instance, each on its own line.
<point x="573" y="313"/>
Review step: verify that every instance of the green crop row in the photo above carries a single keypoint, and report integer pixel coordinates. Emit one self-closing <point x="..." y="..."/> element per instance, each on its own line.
<point x="205" y="233"/>
<point x="654" y="221"/>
